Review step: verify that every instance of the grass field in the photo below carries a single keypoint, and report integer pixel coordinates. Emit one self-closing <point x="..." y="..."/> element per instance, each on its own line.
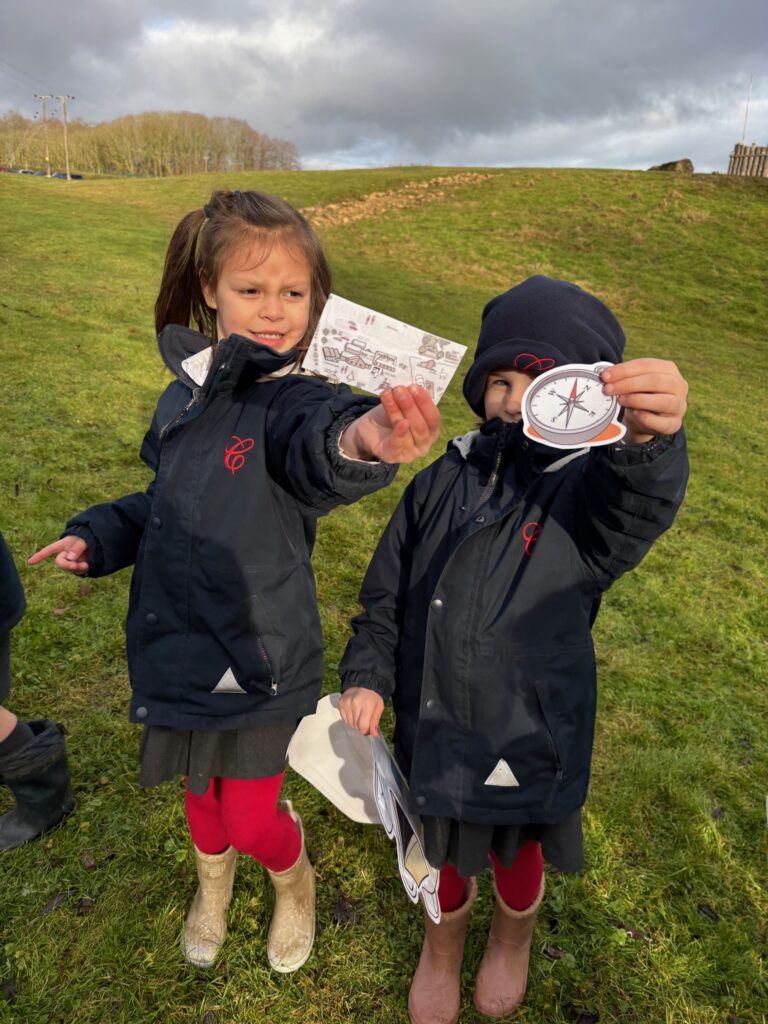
<point x="668" y="923"/>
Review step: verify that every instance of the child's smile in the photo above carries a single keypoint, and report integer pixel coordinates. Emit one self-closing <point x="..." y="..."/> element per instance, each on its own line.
<point x="264" y="298"/>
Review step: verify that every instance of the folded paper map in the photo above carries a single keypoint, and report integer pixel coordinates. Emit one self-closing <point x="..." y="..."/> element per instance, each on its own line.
<point x="370" y="351"/>
<point x="360" y="776"/>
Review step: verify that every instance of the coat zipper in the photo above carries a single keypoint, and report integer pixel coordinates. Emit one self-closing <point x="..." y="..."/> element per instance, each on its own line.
<point x="184" y="411"/>
<point x="493" y="479"/>
<point x="196" y="392"/>
<point x="268" y="663"/>
<point x="559" y="772"/>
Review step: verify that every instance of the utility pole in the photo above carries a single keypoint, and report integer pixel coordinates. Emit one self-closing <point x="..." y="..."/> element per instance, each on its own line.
<point x="746" y="112"/>
<point x="45" y="134"/>
<point x="63" y="101"/>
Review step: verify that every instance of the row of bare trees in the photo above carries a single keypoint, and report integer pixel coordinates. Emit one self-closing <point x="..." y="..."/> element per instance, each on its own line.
<point x="146" y="145"/>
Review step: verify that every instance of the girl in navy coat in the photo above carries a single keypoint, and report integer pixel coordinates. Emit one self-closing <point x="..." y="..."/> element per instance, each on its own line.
<point x="478" y="606"/>
<point x="223" y="633"/>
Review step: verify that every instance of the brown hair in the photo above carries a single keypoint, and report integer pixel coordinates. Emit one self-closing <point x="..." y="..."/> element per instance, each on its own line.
<point x="232" y="219"/>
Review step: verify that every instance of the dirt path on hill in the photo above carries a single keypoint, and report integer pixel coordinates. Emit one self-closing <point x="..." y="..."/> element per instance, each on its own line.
<point x="414" y="193"/>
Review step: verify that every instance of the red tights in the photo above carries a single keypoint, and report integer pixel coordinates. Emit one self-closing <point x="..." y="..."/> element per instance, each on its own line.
<point x="518" y="886"/>
<point x="243" y="813"/>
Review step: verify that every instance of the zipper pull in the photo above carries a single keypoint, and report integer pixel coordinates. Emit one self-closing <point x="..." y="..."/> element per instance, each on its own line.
<point x="187" y="407"/>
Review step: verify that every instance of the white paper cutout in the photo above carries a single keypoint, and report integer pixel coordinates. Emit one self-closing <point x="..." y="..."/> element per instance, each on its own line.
<point x="502" y="775"/>
<point x="359" y="776"/>
<point x="567" y="408"/>
<point x="228" y="684"/>
<point x="371" y="351"/>
<point x="336" y="760"/>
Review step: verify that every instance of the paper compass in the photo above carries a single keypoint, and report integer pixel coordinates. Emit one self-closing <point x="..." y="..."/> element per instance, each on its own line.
<point x="567" y="408"/>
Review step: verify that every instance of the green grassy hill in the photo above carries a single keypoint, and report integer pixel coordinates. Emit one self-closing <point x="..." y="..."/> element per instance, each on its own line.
<point x="668" y="923"/>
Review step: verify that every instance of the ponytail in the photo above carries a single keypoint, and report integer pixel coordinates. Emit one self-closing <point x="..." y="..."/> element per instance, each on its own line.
<point x="180" y="298"/>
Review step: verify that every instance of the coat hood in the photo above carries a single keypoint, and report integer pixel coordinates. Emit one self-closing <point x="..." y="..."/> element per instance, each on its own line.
<point x="540" y="324"/>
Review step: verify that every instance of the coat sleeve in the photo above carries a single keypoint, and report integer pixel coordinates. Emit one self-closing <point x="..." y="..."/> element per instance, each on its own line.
<point x="304" y="422"/>
<point x="370" y="659"/>
<point x="114" y="529"/>
<point x="630" y="495"/>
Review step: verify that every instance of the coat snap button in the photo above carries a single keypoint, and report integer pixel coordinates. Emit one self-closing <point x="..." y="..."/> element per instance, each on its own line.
<point x="479" y="519"/>
<point x="152" y="618"/>
<point x="421" y="800"/>
<point x="437" y="604"/>
<point x="141" y="712"/>
<point x="156" y="522"/>
<point x="431" y="703"/>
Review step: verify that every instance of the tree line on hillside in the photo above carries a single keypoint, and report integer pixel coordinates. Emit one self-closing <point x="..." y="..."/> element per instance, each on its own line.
<point x="145" y="145"/>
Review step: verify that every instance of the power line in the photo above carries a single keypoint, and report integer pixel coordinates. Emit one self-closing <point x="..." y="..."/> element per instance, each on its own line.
<point x="11" y="76"/>
<point x="30" y="78"/>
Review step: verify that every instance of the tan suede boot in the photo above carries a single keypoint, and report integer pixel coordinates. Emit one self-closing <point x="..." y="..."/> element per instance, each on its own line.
<point x="435" y="996"/>
<point x="503" y="975"/>
<point x="292" y="931"/>
<point x="206" y="923"/>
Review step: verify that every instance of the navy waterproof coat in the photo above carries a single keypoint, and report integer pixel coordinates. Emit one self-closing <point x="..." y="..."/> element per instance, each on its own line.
<point x="12" y="603"/>
<point x="478" y="606"/>
<point x="223" y="628"/>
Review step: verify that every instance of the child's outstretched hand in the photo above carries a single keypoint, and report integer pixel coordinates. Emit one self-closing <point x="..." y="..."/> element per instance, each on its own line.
<point x="71" y="554"/>
<point x="653" y="393"/>
<point x="361" y="709"/>
<point x="401" y="429"/>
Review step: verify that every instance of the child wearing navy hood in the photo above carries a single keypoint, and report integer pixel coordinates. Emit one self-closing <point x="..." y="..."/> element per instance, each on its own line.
<point x="478" y="606"/>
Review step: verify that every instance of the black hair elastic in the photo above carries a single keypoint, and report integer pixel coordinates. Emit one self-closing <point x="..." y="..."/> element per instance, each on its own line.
<point x="238" y="195"/>
<point x="207" y="211"/>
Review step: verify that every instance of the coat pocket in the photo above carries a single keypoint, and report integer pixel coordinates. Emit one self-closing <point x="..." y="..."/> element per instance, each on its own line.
<point x="532" y="733"/>
<point x="567" y="696"/>
<point x="231" y="631"/>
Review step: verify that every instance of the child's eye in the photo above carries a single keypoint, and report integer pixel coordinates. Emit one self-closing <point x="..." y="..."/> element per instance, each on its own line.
<point x="249" y="291"/>
<point x="295" y="295"/>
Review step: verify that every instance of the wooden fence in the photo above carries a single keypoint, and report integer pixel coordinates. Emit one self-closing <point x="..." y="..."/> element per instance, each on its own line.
<point x="749" y="161"/>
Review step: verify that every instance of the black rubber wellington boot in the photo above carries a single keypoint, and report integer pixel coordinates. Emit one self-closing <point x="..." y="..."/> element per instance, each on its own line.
<point x="37" y="776"/>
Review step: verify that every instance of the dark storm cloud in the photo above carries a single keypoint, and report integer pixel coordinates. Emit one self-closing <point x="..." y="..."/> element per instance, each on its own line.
<point x="494" y="81"/>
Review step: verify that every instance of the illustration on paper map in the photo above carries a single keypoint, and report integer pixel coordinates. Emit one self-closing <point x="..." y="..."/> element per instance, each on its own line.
<point x="371" y="351"/>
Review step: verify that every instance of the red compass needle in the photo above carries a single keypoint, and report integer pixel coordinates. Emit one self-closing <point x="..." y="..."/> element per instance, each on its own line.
<point x="571" y="403"/>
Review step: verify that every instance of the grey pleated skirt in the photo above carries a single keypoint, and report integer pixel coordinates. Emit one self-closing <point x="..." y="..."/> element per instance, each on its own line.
<point x="466" y="845"/>
<point x="255" y="753"/>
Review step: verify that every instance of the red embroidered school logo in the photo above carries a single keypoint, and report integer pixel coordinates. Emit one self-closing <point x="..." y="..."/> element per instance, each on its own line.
<point x="529" y="363"/>
<point x="531" y="533"/>
<point x="234" y="456"/>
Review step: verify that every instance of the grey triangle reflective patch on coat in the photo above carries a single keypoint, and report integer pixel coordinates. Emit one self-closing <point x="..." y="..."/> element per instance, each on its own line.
<point x="502" y="775"/>
<point x="228" y="684"/>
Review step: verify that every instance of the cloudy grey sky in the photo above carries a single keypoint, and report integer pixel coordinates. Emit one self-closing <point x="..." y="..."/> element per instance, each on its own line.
<point x="598" y="83"/>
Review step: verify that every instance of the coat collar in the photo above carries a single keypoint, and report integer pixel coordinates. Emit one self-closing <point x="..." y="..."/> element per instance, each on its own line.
<point x="480" y="446"/>
<point x="189" y="355"/>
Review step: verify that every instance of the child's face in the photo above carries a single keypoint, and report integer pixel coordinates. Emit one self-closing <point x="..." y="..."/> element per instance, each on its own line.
<point x="265" y="299"/>
<point x="504" y="391"/>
